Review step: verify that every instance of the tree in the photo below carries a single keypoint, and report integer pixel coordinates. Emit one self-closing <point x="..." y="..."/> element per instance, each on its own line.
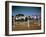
<point x="20" y="15"/>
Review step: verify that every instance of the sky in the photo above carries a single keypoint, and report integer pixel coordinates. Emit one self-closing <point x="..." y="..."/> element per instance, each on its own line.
<point x="27" y="11"/>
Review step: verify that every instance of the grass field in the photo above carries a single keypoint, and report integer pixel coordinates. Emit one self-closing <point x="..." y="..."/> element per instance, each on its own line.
<point x="33" y="25"/>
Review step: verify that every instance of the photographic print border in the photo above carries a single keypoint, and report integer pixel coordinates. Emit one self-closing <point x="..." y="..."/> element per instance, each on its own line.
<point x="7" y="18"/>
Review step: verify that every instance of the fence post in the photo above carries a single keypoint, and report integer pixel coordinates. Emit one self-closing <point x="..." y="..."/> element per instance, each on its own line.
<point x="28" y="22"/>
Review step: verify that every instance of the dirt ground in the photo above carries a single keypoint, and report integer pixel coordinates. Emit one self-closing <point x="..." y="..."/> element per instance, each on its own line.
<point x="33" y="25"/>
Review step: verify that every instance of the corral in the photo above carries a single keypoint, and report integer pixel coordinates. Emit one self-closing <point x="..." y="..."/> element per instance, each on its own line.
<point x="27" y="25"/>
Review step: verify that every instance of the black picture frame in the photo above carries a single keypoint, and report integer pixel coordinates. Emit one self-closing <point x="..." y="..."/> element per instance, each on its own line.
<point x="7" y="17"/>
